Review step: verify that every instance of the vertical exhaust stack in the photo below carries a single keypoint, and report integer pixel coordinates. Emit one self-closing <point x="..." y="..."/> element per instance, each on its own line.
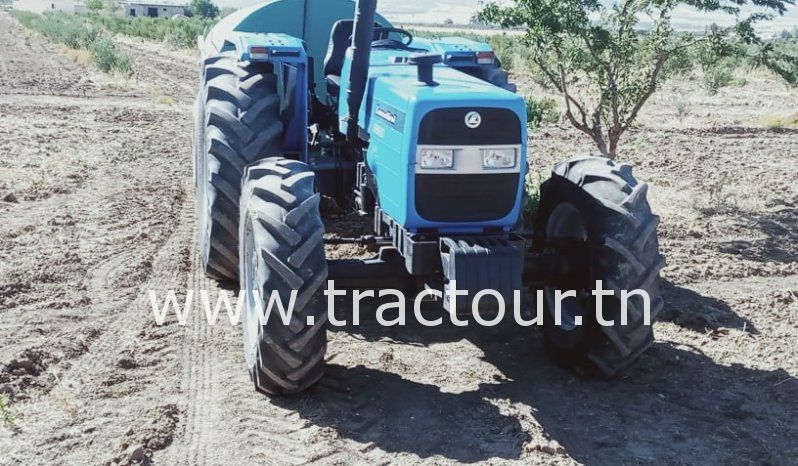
<point x="365" y="11"/>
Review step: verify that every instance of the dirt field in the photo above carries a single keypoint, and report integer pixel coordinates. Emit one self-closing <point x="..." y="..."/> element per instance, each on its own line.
<point x="98" y="207"/>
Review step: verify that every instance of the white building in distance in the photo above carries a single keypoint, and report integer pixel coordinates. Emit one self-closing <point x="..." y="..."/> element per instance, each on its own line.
<point x="43" y="6"/>
<point x="154" y="10"/>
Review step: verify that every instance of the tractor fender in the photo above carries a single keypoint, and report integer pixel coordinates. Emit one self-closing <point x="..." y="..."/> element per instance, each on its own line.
<point x="307" y="20"/>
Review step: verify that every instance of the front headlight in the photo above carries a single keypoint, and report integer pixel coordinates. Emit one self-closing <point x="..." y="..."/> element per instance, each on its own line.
<point x="437" y="158"/>
<point x="498" y="158"/>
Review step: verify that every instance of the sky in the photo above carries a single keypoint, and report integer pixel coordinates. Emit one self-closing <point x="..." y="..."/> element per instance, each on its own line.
<point x="460" y="11"/>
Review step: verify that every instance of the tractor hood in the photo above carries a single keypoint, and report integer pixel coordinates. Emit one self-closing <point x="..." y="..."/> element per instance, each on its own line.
<point x="396" y="83"/>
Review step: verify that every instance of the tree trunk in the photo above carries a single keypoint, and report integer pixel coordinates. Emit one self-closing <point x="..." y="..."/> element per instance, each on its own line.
<point x="598" y="137"/>
<point x="614" y="137"/>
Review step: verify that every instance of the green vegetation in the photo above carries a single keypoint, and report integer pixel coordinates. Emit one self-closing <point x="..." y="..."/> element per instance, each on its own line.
<point x="532" y="183"/>
<point x="203" y="9"/>
<point x="94" y="6"/>
<point x="5" y="413"/>
<point x="781" y="57"/>
<point x="542" y="111"/>
<point x="179" y="33"/>
<point x="717" y="70"/>
<point x="78" y="32"/>
<point x="606" y="63"/>
<point x="506" y="48"/>
<point x="107" y="56"/>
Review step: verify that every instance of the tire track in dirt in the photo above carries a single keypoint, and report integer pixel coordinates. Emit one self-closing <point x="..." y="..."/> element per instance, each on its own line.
<point x="214" y="418"/>
<point x="199" y="374"/>
<point x="87" y="251"/>
<point x="213" y="353"/>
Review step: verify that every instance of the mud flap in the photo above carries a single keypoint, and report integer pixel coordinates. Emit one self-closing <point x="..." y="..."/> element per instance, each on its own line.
<point x="481" y="263"/>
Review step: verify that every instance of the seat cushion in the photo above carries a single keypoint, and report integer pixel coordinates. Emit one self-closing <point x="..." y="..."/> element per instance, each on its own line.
<point x="339" y="41"/>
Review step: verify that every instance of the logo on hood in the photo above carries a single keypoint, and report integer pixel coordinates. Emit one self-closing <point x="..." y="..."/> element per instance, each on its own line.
<point x="473" y="120"/>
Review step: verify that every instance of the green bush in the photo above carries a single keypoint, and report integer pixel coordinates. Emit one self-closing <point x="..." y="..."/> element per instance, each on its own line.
<point x="532" y="183"/>
<point x="781" y="57"/>
<point x="176" y="33"/>
<point x="543" y="111"/>
<point x="183" y="33"/>
<point x="203" y="9"/>
<point x="25" y="18"/>
<point x="107" y="57"/>
<point x="79" y="32"/>
<point x="717" y="77"/>
<point x="506" y="48"/>
<point x="717" y="69"/>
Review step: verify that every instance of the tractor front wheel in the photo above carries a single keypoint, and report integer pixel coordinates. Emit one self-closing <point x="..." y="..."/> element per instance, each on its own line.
<point x="282" y="257"/>
<point x="597" y="202"/>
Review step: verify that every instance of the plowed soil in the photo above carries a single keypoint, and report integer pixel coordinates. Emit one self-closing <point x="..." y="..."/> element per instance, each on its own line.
<point x="98" y="207"/>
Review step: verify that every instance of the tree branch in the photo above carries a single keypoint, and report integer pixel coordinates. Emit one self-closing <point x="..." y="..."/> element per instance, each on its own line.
<point x="652" y="87"/>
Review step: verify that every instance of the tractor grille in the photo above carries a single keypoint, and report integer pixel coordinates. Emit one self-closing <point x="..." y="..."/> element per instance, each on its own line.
<point x="446" y="127"/>
<point x="465" y="198"/>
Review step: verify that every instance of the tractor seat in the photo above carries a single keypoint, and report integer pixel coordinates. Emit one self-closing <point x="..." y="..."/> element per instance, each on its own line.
<point x="333" y="84"/>
<point x="340" y="40"/>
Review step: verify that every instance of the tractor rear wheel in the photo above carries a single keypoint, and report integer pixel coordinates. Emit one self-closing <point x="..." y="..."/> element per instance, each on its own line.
<point x="282" y="252"/>
<point x="241" y="124"/>
<point x="599" y="203"/>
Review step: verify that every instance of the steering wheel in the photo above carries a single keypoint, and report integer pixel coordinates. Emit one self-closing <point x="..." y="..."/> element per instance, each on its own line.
<point x="385" y="41"/>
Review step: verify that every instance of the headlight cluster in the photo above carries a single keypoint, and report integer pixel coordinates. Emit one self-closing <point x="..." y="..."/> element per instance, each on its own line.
<point x="437" y="158"/>
<point x="498" y="158"/>
<point x="469" y="159"/>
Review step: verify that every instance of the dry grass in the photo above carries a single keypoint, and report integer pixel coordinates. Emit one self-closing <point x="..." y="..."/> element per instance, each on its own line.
<point x="164" y="100"/>
<point x="779" y="122"/>
<point x="81" y="57"/>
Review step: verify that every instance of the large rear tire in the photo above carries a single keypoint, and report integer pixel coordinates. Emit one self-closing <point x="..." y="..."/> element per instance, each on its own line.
<point x="241" y="125"/>
<point x="282" y="251"/>
<point x="599" y="201"/>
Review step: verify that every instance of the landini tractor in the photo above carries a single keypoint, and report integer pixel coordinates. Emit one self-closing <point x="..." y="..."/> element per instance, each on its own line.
<point x="304" y="101"/>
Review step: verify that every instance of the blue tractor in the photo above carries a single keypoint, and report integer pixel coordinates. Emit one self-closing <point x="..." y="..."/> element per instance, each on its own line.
<point x="309" y="100"/>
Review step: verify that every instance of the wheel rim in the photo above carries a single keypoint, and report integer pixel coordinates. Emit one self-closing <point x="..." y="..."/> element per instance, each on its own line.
<point x="566" y="222"/>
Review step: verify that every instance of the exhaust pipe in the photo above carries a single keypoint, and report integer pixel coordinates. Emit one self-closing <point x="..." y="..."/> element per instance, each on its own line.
<point x="365" y="10"/>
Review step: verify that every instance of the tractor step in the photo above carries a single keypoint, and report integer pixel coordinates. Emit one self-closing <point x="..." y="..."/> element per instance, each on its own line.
<point x="387" y="270"/>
